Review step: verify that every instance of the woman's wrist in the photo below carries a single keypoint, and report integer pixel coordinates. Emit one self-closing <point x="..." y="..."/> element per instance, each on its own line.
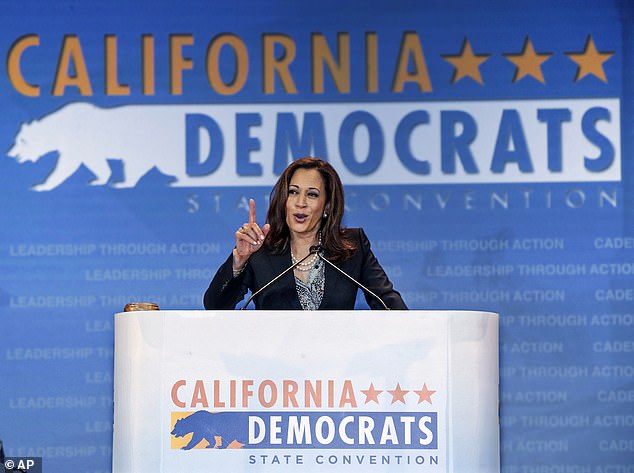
<point x="239" y="263"/>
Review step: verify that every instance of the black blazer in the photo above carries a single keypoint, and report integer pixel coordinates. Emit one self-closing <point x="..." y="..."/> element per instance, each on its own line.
<point x="225" y="291"/>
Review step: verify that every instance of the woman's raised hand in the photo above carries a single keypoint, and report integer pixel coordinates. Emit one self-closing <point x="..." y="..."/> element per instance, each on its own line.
<point x="249" y="238"/>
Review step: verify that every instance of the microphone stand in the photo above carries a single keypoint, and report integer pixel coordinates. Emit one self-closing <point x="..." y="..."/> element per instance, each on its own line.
<point x="357" y="283"/>
<point x="313" y="250"/>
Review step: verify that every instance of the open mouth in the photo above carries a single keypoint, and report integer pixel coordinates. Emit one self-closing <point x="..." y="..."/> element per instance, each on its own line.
<point x="300" y="218"/>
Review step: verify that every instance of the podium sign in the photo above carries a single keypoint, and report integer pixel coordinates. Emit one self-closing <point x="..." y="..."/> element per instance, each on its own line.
<point x="201" y="391"/>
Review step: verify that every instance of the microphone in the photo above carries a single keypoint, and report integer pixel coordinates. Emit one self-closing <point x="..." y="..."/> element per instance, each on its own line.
<point x="357" y="283"/>
<point x="313" y="250"/>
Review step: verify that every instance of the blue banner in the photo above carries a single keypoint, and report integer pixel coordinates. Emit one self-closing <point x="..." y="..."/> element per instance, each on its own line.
<point x="310" y="429"/>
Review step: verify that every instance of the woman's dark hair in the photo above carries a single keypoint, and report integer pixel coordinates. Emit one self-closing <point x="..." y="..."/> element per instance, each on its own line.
<point x="335" y="240"/>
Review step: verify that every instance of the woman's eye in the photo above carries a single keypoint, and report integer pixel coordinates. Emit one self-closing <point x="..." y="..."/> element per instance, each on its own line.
<point x="292" y="191"/>
<point x="313" y="195"/>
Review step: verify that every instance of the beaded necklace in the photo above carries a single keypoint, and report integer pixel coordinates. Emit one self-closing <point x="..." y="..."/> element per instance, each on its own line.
<point x="309" y="263"/>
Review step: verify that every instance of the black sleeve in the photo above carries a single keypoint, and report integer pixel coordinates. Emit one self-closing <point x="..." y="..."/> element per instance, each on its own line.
<point x="374" y="278"/>
<point x="225" y="291"/>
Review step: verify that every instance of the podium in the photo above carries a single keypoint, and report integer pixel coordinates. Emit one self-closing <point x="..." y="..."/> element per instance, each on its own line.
<point x="353" y="391"/>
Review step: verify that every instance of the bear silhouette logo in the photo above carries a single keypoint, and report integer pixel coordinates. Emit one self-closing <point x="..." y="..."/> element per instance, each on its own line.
<point x="142" y="138"/>
<point x="220" y="430"/>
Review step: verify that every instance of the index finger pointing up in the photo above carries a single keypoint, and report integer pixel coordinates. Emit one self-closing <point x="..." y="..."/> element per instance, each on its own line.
<point x="252" y="211"/>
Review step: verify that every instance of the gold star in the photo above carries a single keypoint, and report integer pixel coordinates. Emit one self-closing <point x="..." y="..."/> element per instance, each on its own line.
<point x="371" y="394"/>
<point x="528" y="62"/>
<point x="466" y="63"/>
<point x="590" y="61"/>
<point x="424" y="394"/>
<point x="398" y="394"/>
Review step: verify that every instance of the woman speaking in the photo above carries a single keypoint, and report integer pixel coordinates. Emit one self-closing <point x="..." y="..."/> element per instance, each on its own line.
<point x="304" y="225"/>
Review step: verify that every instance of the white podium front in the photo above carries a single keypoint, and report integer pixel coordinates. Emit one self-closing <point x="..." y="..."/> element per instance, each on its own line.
<point x="353" y="391"/>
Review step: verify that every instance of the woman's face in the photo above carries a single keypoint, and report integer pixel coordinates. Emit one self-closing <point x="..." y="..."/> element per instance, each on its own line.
<point x="306" y="202"/>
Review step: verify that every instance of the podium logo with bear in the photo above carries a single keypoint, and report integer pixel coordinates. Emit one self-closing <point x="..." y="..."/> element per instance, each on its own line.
<point x="204" y="429"/>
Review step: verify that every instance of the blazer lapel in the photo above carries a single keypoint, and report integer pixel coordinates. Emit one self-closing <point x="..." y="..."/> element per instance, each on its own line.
<point x="280" y="263"/>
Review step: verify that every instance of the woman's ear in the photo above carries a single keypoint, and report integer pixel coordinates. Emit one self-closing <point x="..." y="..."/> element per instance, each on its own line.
<point x="326" y="211"/>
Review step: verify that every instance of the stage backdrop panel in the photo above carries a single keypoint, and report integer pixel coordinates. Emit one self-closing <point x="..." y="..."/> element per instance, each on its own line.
<point x="485" y="147"/>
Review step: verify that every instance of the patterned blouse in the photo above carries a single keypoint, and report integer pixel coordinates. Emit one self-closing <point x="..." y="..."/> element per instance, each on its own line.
<point x="311" y="293"/>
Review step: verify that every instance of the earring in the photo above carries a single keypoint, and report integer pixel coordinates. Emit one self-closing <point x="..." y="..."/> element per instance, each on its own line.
<point x="325" y="215"/>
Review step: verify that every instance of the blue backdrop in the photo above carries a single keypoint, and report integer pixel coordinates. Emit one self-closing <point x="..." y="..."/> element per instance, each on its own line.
<point x="485" y="148"/>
